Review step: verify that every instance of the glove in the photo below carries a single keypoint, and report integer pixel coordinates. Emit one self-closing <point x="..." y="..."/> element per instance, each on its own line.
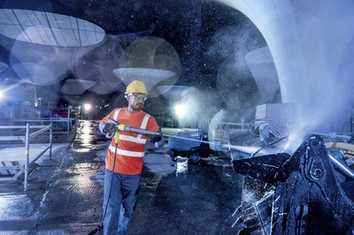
<point x="121" y="127"/>
<point x="159" y="143"/>
<point x="109" y="129"/>
<point x="155" y="138"/>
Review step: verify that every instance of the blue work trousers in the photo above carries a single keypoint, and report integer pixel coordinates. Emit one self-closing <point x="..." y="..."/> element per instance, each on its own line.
<point x="119" y="200"/>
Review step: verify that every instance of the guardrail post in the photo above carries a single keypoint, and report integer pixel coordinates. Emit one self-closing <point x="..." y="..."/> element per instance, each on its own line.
<point x="27" y="155"/>
<point x="242" y="124"/>
<point x="69" y="120"/>
<point x="50" y="140"/>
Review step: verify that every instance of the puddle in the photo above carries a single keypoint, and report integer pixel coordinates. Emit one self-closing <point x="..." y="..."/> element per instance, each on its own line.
<point x="15" y="207"/>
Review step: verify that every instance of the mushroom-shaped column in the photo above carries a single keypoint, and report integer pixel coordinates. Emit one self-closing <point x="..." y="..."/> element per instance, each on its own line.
<point x="152" y="60"/>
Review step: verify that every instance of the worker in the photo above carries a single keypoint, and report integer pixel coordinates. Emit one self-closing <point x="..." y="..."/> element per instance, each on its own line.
<point x="125" y="158"/>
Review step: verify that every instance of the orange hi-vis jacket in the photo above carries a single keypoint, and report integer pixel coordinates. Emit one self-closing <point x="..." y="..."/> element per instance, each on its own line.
<point x="129" y="146"/>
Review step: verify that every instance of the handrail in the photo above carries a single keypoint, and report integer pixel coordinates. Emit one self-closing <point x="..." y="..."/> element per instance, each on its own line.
<point x="22" y="127"/>
<point x="12" y="138"/>
<point x="44" y="121"/>
<point x="54" y="120"/>
<point x="342" y="168"/>
<point x="37" y="133"/>
<point x="27" y="144"/>
<point x="27" y="152"/>
<point x="26" y="139"/>
<point x="237" y="124"/>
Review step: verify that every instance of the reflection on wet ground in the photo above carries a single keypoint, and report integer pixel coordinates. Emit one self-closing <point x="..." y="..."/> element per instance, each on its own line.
<point x="15" y="207"/>
<point x="87" y="136"/>
<point x="65" y="196"/>
<point x="198" y="202"/>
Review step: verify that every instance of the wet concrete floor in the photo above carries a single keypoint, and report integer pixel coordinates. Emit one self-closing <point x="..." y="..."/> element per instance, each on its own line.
<point x="65" y="194"/>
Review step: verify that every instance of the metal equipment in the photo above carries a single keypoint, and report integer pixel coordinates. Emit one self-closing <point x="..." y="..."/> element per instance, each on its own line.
<point x="313" y="192"/>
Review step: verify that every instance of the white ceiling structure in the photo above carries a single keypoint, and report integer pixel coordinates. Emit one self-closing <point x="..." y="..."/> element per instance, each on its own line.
<point x="76" y="86"/>
<point x="3" y="67"/>
<point x="152" y="60"/>
<point x="261" y="65"/>
<point x="149" y="76"/>
<point x="49" y="29"/>
<point x="309" y="41"/>
<point x="37" y="74"/>
<point x="175" y="92"/>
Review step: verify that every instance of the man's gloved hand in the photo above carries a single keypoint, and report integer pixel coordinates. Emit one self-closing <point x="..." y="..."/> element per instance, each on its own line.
<point x="121" y="127"/>
<point x="109" y="129"/>
<point x="155" y="138"/>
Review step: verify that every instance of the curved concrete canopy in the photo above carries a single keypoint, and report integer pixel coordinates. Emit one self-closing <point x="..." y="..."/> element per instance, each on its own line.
<point x="58" y="60"/>
<point x="156" y="54"/>
<point x="149" y="76"/>
<point x="259" y="56"/>
<point x="261" y="65"/>
<point x="49" y="29"/>
<point x="3" y="67"/>
<point x="175" y="92"/>
<point x="76" y="86"/>
<point x="97" y="65"/>
<point x="37" y="74"/>
<point x="308" y="41"/>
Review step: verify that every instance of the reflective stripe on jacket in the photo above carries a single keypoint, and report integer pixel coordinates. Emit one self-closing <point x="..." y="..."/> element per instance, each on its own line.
<point x="127" y="148"/>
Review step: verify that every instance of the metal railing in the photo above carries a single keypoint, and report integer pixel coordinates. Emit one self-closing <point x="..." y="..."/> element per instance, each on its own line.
<point x="67" y="121"/>
<point x="238" y="125"/>
<point x="26" y="140"/>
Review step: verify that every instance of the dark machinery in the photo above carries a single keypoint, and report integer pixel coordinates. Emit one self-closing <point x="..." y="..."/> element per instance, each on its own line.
<point x="313" y="193"/>
<point x="191" y="145"/>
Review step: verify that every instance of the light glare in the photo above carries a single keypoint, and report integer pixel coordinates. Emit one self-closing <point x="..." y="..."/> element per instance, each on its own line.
<point x="180" y="110"/>
<point x="2" y="95"/>
<point x="87" y="107"/>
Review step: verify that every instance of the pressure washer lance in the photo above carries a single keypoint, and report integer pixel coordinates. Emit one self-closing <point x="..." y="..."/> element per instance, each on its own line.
<point x="218" y="145"/>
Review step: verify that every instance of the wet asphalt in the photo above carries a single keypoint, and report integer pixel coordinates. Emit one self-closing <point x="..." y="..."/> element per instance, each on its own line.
<point x="65" y="193"/>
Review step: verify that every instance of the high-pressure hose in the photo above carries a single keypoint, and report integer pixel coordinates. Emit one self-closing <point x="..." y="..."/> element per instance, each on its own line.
<point x="100" y="226"/>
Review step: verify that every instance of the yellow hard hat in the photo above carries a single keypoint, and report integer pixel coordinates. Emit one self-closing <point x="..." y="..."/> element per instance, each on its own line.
<point x="136" y="86"/>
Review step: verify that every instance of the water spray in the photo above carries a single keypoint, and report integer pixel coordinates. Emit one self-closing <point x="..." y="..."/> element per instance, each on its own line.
<point x="219" y="145"/>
